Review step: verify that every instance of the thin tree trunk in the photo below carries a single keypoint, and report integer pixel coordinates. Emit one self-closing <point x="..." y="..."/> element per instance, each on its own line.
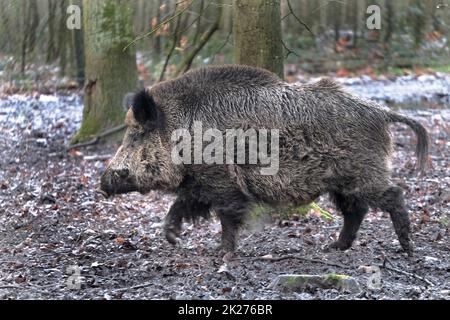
<point x="323" y="15"/>
<point x="336" y="7"/>
<point x="78" y="47"/>
<point x="33" y="24"/>
<point x="356" y="22"/>
<point x="390" y="18"/>
<point x="175" y="39"/>
<point x="51" y="47"/>
<point x="157" y="43"/>
<point x="62" y="37"/>
<point x="198" y="25"/>
<point x="30" y="24"/>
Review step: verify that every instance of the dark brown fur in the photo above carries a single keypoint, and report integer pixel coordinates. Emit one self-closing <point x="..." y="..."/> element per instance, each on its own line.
<point x="330" y="142"/>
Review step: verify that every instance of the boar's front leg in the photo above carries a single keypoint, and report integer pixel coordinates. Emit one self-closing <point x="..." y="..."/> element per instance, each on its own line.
<point x="187" y="208"/>
<point x="173" y="222"/>
<point x="231" y="214"/>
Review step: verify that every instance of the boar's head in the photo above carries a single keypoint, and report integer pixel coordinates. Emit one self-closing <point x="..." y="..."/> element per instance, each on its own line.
<point x="143" y="162"/>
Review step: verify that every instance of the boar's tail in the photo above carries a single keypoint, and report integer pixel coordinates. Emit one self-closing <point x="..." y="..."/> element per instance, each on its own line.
<point x="422" y="137"/>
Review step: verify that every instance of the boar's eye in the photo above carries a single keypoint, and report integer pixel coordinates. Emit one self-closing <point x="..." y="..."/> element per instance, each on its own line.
<point x="136" y="137"/>
<point x="133" y="137"/>
<point x="145" y="111"/>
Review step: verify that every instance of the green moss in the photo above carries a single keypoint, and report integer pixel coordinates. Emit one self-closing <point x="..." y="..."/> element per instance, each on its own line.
<point x="323" y="213"/>
<point x="288" y="212"/>
<point x="443" y="69"/>
<point x="335" y="278"/>
<point x="304" y="210"/>
<point x="292" y="281"/>
<point x="444" y="221"/>
<point x="259" y="211"/>
<point x="89" y="128"/>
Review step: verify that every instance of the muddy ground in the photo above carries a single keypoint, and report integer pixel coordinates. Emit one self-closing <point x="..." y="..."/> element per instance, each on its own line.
<point x="53" y="225"/>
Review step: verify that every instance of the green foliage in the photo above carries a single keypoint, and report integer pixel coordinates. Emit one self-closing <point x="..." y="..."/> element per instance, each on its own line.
<point x="444" y="221"/>
<point x="323" y="213"/>
<point x="442" y="68"/>
<point x="290" y="211"/>
<point x="335" y="278"/>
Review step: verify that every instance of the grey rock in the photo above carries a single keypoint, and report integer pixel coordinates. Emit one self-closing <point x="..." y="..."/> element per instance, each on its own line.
<point x="301" y="282"/>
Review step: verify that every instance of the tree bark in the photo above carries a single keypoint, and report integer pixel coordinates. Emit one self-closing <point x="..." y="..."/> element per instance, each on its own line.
<point x="62" y="38"/>
<point x="30" y="24"/>
<point x="51" y="48"/>
<point x="336" y="7"/>
<point x="157" y="38"/>
<point x="418" y="21"/>
<point x="78" y="47"/>
<point x="257" y="34"/>
<point x="111" y="71"/>
<point x="390" y="18"/>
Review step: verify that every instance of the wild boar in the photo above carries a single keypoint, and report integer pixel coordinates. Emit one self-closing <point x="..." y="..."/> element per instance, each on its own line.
<point x="328" y="141"/>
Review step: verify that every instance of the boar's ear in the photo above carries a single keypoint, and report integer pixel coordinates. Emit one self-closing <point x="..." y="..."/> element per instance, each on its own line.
<point x="145" y="110"/>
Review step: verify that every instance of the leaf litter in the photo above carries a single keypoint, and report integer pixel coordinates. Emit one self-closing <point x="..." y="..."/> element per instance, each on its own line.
<point x="54" y="226"/>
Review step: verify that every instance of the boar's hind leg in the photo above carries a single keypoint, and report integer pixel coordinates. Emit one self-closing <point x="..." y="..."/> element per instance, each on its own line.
<point x="353" y="210"/>
<point x="392" y="201"/>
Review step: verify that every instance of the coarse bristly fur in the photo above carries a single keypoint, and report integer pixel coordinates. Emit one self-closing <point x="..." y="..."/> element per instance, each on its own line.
<point x="330" y="142"/>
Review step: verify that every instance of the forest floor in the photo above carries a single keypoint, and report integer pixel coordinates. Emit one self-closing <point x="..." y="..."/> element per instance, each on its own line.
<point x="54" y="226"/>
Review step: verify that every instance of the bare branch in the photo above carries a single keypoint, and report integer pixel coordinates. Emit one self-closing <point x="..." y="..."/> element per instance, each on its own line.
<point x="176" y="36"/>
<point x="223" y="44"/>
<point x="187" y="61"/>
<point x="289" y="51"/>
<point x="98" y="137"/>
<point x="291" y="11"/>
<point x="160" y="25"/>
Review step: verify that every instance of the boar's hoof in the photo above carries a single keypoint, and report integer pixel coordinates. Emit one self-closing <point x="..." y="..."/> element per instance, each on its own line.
<point x="103" y="193"/>
<point x="228" y="256"/>
<point x="172" y="236"/>
<point x="408" y="248"/>
<point x="338" y="245"/>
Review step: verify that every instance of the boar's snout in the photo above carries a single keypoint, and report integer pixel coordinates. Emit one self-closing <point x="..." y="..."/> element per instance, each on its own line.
<point x="115" y="181"/>
<point x="106" y="183"/>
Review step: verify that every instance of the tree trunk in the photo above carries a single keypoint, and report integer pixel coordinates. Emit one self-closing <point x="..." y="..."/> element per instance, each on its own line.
<point x="111" y="71"/>
<point x="33" y="23"/>
<point x="23" y="52"/>
<point x="336" y="7"/>
<point x="390" y="18"/>
<point x="78" y="46"/>
<point x="176" y="34"/>
<point x="356" y="21"/>
<point x="323" y="15"/>
<point x="62" y="38"/>
<point x="157" y="38"/>
<point x="257" y="34"/>
<point x="30" y="24"/>
<point x="418" y="21"/>
<point x="51" y="51"/>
